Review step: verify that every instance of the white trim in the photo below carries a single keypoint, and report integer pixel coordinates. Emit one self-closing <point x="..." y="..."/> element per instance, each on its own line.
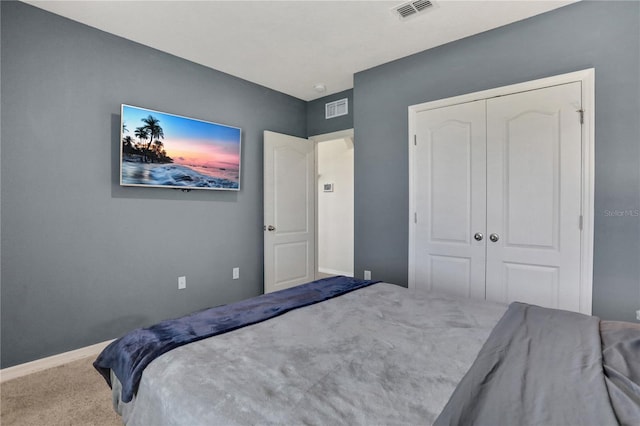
<point x="587" y="78"/>
<point x="50" y="362"/>
<point x="588" y="188"/>
<point x="340" y="134"/>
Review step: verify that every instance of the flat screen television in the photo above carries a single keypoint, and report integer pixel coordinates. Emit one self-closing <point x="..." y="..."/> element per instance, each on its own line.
<point x="170" y="151"/>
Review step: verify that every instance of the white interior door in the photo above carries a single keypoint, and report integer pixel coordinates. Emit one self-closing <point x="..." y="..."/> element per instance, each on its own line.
<point x="534" y="197"/>
<point x="289" y="211"/>
<point x="450" y="202"/>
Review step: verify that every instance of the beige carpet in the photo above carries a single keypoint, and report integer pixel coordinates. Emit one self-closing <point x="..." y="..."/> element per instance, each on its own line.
<point x="72" y="394"/>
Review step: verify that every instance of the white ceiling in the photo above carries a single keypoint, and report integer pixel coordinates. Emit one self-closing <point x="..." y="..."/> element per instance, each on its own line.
<point x="290" y="46"/>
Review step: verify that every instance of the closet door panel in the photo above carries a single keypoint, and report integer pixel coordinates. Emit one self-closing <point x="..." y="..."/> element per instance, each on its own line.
<point x="533" y="197"/>
<point x="451" y="199"/>
<point x="531" y="155"/>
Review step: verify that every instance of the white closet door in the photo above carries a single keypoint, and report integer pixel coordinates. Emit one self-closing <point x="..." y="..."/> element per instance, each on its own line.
<point x="450" y="178"/>
<point x="534" y="197"/>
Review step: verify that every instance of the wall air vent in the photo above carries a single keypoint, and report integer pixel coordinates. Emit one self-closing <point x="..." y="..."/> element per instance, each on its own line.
<point x="336" y="108"/>
<point x="412" y="8"/>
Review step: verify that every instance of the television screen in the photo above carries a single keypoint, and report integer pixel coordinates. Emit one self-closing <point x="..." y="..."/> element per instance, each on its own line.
<point x="169" y="151"/>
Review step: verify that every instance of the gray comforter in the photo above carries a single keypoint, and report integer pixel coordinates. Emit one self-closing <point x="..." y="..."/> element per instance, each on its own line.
<point x="621" y="363"/>
<point x="379" y="355"/>
<point x="548" y="367"/>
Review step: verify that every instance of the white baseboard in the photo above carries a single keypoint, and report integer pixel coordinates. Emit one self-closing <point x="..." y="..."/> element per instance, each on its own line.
<point x="50" y="362"/>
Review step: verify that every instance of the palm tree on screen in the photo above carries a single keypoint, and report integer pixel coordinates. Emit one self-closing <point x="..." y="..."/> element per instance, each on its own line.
<point x="127" y="144"/>
<point x="152" y="125"/>
<point x="142" y="135"/>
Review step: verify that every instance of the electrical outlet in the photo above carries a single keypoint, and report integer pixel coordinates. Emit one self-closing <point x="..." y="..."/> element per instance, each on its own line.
<point x="182" y="283"/>
<point x="236" y="273"/>
<point x="367" y="275"/>
<point x="638" y="314"/>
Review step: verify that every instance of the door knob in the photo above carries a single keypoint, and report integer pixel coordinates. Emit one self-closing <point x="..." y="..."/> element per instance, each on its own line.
<point x="478" y="236"/>
<point x="271" y="228"/>
<point x="494" y="237"/>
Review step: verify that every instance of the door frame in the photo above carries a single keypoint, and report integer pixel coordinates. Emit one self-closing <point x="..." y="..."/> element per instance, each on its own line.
<point x="587" y="78"/>
<point x="340" y="134"/>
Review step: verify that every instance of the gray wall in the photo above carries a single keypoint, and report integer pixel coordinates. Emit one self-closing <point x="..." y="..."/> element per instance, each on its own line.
<point x="83" y="259"/>
<point x="604" y="35"/>
<point x="317" y="124"/>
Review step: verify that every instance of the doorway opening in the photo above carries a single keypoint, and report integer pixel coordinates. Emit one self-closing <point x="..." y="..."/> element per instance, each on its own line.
<point x="334" y="204"/>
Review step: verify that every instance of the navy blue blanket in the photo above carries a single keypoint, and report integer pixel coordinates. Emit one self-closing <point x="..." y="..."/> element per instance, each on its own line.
<point x="129" y="355"/>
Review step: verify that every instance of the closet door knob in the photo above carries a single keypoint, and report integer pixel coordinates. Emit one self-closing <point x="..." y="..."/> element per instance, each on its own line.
<point x="271" y="228"/>
<point x="494" y="237"/>
<point x="478" y="236"/>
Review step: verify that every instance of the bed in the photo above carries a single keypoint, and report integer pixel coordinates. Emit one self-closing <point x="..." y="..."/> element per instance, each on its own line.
<point x="383" y="354"/>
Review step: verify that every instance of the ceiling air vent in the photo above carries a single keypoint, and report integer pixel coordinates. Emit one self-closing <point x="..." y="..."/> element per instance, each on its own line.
<point x="336" y="108"/>
<point x="412" y="8"/>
